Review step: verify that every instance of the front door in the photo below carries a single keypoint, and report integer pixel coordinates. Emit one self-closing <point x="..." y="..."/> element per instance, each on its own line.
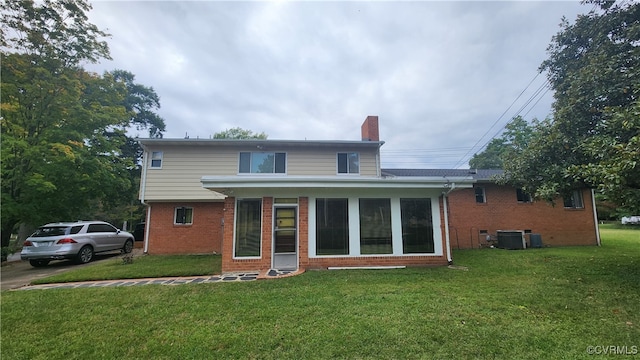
<point x="285" y="238"/>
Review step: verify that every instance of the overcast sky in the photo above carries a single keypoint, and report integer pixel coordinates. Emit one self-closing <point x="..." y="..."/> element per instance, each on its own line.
<point x="438" y="74"/>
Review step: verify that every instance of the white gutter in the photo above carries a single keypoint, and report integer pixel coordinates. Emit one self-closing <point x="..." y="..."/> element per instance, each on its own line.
<point x="270" y="181"/>
<point x="143" y="189"/>
<point x="595" y="216"/>
<point x="446" y="223"/>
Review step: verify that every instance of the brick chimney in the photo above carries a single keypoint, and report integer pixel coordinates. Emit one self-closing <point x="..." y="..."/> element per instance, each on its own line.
<point x="370" y="129"/>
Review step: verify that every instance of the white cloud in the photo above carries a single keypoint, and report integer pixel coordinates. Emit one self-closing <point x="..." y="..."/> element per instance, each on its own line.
<point x="438" y="74"/>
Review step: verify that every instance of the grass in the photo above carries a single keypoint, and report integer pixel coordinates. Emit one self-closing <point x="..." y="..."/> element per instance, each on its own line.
<point x="142" y="267"/>
<point x="539" y="303"/>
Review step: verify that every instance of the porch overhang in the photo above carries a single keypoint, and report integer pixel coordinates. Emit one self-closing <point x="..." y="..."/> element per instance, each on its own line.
<point x="226" y="184"/>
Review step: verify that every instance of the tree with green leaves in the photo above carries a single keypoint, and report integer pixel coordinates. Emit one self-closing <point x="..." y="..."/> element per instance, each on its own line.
<point x="65" y="150"/>
<point x="239" y="133"/>
<point x="513" y="140"/>
<point x="593" y="139"/>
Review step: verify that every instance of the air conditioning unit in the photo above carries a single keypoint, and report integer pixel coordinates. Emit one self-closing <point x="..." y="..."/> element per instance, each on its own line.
<point x="511" y="239"/>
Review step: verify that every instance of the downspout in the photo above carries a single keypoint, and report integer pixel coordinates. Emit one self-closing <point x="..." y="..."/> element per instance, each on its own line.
<point x="595" y="216"/>
<point x="446" y="222"/>
<point x="143" y="189"/>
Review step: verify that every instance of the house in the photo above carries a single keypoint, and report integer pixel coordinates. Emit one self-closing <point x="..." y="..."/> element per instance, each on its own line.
<point x="293" y="204"/>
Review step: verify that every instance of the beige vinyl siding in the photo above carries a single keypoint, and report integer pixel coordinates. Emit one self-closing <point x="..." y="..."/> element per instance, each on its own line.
<point x="184" y="166"/>
<point x="182" y="169"/>
<point x="324" y="162"/>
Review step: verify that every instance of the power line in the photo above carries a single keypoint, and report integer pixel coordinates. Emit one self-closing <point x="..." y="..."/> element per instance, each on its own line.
<point x="497" y="120"/>
<point x="546" y="87"/>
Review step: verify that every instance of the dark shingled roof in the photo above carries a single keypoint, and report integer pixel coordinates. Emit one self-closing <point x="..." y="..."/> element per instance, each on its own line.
<point x="478" y="175"/>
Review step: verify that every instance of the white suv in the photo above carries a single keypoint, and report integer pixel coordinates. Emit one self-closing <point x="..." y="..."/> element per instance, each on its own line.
<point x="74" y="240"/>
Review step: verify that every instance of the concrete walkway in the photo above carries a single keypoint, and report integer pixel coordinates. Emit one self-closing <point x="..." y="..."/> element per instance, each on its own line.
<point x="231" y="277"/>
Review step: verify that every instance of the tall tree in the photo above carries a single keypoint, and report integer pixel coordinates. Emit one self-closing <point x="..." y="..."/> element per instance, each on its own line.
<point x="593" y="139"/>
<point x="513" y="140"/>
<point x="64" y="144"/>
<point x="239" y="133"/>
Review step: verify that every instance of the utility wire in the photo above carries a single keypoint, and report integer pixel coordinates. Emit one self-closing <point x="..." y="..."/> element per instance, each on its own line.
<point x="495" y="122"/>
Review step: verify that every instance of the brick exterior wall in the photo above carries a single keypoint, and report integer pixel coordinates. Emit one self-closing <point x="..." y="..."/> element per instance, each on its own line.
<point x="203" y="236"/>
<point x="557" y="225"/>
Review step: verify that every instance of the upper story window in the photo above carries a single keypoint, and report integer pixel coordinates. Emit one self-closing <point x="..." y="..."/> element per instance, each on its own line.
<point x="480" y="195"/>
<point x="156" y="159"/>
<point x="348" y="163"/>
<point x="522" y="196"/>
<point x="262" y="163"/>
<point x="574" y="201"/>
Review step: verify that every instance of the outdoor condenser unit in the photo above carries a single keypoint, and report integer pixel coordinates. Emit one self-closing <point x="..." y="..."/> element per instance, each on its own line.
<point x="511" y="239"/>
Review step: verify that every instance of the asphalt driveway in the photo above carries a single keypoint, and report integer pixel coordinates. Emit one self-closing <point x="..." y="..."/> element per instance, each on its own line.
<point x="16" y="273"/>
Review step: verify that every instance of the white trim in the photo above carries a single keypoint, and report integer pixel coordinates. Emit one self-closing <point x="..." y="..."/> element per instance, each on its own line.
<point x="366" y="267"/>
<point x="152" y="158"/>
<point x="273" y="231"/>
<point x="595" y="216"/>
<point x="175" y="215"/>
<point x="274" y="173"/>
<point x="348" y="169"/>
<point x="235" y="217"/>
<point x="147" y="226"/>
<point x="396" y="221"/>
<point x="225" y="184"/>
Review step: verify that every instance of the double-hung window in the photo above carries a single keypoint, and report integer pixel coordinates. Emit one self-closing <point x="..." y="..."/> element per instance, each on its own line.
<point x="348" y="163"/>
<point x="574" y="201"/>
<point x="156" y="159"/>
<point x="262" y="163"/>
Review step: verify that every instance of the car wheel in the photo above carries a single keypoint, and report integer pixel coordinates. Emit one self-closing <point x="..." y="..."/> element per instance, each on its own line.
<point x="39" y="263"/>
<point x="128" y="246"/>
<point x="85" y="255"/>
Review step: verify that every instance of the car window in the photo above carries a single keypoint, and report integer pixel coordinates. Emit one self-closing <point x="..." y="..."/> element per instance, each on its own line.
<point x="50" y="231"/>
<point x="94" y="228"/>
<point x="76" y="229"/>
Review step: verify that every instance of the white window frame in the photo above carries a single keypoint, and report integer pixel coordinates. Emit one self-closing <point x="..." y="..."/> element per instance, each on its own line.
<point x="251" y="153"/>
<point x="484" y="194"/>
<point x="175" y="215"/>
<point x="235" y="229"/>
<point x="577" y="202"/>
<point x="396" y="223"/>
<point x="156" y="156"/>
<point x="349" y="172"/>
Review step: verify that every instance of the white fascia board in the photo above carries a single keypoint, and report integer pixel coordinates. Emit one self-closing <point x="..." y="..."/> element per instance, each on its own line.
<point x="253" y="182"/>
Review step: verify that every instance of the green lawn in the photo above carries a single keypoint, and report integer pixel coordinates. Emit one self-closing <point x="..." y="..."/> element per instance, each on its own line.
<point x="142" y="267"/>
<point x="531" y="304"/>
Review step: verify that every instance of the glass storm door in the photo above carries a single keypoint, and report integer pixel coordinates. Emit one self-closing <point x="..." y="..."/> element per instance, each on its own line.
<point x="285" y="238"/>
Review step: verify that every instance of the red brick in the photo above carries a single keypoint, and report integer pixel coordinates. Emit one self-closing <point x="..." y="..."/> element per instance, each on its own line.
<point x="204" y="236"/>
<point x="557" y="225"/>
